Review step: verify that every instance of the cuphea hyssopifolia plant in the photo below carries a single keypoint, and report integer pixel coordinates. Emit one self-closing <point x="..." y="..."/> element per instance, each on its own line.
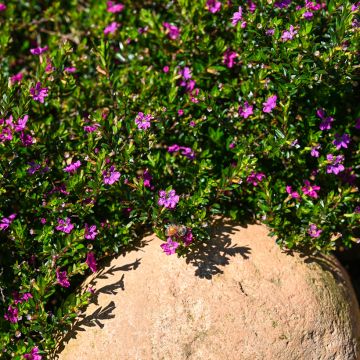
<point x="120" y="118"/>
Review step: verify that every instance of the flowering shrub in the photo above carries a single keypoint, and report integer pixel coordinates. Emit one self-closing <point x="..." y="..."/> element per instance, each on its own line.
<point x="117" y="117"/>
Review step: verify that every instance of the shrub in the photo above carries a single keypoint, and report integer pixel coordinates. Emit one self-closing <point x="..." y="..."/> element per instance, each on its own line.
<point x="149" y="115"/>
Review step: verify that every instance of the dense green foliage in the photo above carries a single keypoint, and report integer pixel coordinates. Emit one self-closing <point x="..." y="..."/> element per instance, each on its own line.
<point x="237" y="108"/>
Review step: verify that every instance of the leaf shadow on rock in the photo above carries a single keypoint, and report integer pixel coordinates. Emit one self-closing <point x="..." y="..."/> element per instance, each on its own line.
<point x="102" y="313"/>
<point x="211" y="256"/>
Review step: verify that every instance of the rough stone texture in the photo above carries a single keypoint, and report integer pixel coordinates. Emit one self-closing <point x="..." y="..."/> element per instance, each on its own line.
<point x="240" y="297"/>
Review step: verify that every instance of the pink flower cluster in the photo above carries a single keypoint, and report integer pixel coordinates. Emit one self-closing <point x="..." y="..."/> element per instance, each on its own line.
<point x="255" y="178"/>
<point x="6" y="222"/>
<point x="172" y="31"/>
<point x="168" y="199"/>
<point x="186" y="151"/>
<point x="110" y="176"/>
<point x="143" y="121"/>
<point x="8" y="128"/>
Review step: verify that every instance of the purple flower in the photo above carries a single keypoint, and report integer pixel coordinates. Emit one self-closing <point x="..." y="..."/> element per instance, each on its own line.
<point x="269" y="104"/>
<point x="111" y="28"/>
<point x="170" y="246"/>
<point x="21" y="124"/>
<point x="91" y="128"/>
<point x="255" y="178"/>
<point x="314" y="151"/>
<point x="114" y="8"/>
<point x="326" y="123"/>
<point x="172" y="31"/>
<point x="111" y="176"/>
<point x="335" y="164"/>
<point x="90" y="232"/>
<point x="173" y="148"/>
<point x="2" y="7"/>
<point x="357" y="124"/>
<point x="168" y="199"/>
<point x="12" y="314"/>
<point x="308" y="15"/>
<point x="188" y="238"/>
<point x="26" y="139"/>
<point x="252" y="6"/>
<point x="270" y="32"/>
<point x="61" y="277"/>
<point x="143" y="121"/>
<point x="213" y="6"/>
<point x="282" y="4"/>
<point x="310" y="190"/>
<point x="188" y="152"/>
<point x="185" y="73"/>
<point x="237" y="17"/>
<point x="6" y="222"/>
<point x="288" y="34"/>
<point x="166" y="69"/>
<point x="26" y="296"/>
<point x="147" y="179"/>
<point x="246" y="110"/>
<point x="293" y="194"/>
<point x="91" y="261"/>
<point x="72" y="167"/>
<point x="34" y="167"/>
<point x="65" y="225"/>
<point x="313" y="231"/>
<point x="229" y="58"/>
<point x="38" y="93"/>
<point x="33" y="355"/>
<point x="39" y="50"/>
<point x="341" y="141"/>
<point x="16" y="78"/>
<point x="70" y="69"/>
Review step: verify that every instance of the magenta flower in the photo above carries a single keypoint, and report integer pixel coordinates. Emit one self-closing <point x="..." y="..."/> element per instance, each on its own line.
<point x="186" y="151"/>
<point x="270" y="32"/>
<point x="293" y="194"/>
<point x="147" y="179"/>
<point x="33" y="355"/>
<point x="288" y="34"/>
<point x="61" y="277"/>
<point x="314" y="151"/>
<point x="213" y="6"/>
<point x="21" y="124"/>
<point x="168" y="199"/>
<point x="282" y="4"/>
<point x="269" y="104"/>
<point x="251" y="6"/>
<point x="172" y="31"/>
<point x="173" y="148"/>
<point x="65" y="225"/>
<point x="143" y="121"/>
<point x="185" y="73"/>
<point x="12" y="314"/>
<point x="313" y="231"/>
<point x="308" y="15"/>
<point x="91" y="261"/>
<point x="111" y="28"/>
<point x="310" y="190"/>
<point x="6" y="222"/>
<point x="237" y="17"/>
<point x="91" y="128"/>
<point x="114" y="8"/>
<point x="245" y="110"/>
<point x="2" y="7"/>
<point x="111" y="176"/>
<point x="341" y="141"/>
<point x="188" y="238"/>
<point x="72" y="167"/>
<point x="39" y="50"/>
<point x="90" y="232"/>
<point x="38" y="93"/>
<point x="170" y="246"/>
<point x="229" y="58"/>
<point x="255" y="178"/>
<point x="26" y="139"/>
<point x="166" y="69"/>
<point x="326" y="120"/>
<point x="16" y="78"/>
<point x="70" y="69"/>
<point x="335" y="164"/>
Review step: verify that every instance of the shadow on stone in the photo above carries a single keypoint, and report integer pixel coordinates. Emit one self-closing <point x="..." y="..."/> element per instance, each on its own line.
<point x="208" y="257"/>
<point x="102" y="313"/>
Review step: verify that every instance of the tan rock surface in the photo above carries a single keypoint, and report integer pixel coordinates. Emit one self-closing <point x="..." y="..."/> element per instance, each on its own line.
<point x="240" y="297"/>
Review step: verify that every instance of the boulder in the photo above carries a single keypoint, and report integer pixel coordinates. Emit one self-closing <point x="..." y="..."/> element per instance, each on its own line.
<point x="237" y="297"/>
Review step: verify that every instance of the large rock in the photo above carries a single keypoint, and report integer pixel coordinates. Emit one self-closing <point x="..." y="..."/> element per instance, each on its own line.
<point x="239" y="297"/>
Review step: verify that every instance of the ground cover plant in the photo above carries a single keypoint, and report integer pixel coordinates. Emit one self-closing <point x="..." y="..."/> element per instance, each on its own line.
<point x="117" y="118"/>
